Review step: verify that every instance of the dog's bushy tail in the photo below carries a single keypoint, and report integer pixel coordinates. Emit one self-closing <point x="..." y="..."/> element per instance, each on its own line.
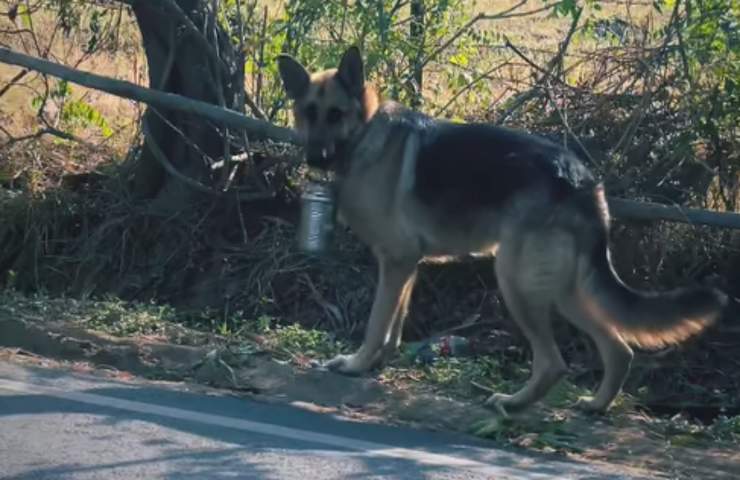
<point x="647" y="319"/>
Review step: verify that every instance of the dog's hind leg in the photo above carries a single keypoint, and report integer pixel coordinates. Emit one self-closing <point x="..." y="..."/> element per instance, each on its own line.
<point x="396" y="277"/>
<point x="616" y="355"/>
<point x="529" y="275"/>
<point x="548" y="366"/>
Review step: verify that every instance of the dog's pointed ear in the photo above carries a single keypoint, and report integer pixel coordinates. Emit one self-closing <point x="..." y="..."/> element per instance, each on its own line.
<point x="351" y="72"/>
<point x="296" y="78"/>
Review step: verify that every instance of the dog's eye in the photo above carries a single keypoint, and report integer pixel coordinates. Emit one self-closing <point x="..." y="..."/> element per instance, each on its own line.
<point x="311" y="112"/>
<point x="334" y="115"/>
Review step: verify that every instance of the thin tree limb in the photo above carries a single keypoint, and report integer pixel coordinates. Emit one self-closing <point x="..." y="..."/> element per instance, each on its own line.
<point x="191" y="182"/>
<point x="524" y="97"/>
<point x="167" y="165"/>
<point x="17" y="78"/>
<point x="48" y="130"/>
<point x="470" y="85"/>
<point x="209" y="48"/>
<point x="633" y="210"/>
<point x="620" y="208"/>
<point x="257" y="129"/>
<point x="508" y="13"/>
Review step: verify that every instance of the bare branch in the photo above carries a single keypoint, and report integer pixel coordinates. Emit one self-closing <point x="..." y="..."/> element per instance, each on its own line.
<point x="164" y="161"/>
<point x="508" y="13"/>
<point x="199" y="36"/>
<point x="555" y="61"/>
<point x="17" y="78"/>
<point x="49" y="130"/>
<point x="566" y="124"/>
<point x="185" y="139"/>
<point x="470" y="85"/>
<point x="15" y="31"/>
<point x="526" y="59"/>
<point x="191" y="182"/>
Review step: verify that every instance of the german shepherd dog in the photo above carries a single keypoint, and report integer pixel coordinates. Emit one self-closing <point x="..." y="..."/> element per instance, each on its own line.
<point x="414" y="188"/>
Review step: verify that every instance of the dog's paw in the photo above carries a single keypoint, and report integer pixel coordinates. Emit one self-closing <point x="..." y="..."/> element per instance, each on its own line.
<point x="347" y="364"/>
<point x="498" y="401"/>
<point x="589" y="405"/>
<point x="388" y="354"/>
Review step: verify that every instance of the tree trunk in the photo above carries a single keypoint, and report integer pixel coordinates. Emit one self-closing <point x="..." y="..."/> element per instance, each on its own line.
<point x="177" y="49"/>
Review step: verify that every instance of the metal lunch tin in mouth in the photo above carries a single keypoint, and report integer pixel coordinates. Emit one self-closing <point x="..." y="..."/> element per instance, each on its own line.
<point x="317" y="219"/>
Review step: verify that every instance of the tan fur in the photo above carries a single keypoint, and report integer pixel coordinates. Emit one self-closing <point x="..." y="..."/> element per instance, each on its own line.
<point x="539" y="268"/>
<point x="370" y="102"/>
<point x="325" y="93"/>
<point x="646" y="337"/>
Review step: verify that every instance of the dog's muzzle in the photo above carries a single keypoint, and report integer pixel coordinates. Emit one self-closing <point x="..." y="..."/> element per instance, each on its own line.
<point x="320" y="155"/>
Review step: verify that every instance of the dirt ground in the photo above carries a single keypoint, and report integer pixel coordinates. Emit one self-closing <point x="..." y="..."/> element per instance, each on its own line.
<point x="626" y="442"/>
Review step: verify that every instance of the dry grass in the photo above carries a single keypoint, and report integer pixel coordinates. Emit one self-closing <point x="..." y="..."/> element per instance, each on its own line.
<point x="127" y="62"/>
<point x="538" y="36"/>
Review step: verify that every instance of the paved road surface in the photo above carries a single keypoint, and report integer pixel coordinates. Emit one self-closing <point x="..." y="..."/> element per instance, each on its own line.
<point x="58" y="425"/>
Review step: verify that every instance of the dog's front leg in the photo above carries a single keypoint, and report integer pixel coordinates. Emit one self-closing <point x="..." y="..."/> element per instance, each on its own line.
<point x="394" y="279"/>
<point x="390" y="349"/>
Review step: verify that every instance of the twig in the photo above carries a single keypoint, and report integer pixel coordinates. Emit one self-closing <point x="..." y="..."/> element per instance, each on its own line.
<point x="524" y="97"/>
<point x="557" y="60"/>
<point x="49" y="130"/>
<point x="682" y="52"/>
<point x="164" y="161"/>
<point x="570" y="131"/>
<point x="480" y="17"/>
<point x="261" y="64"/>
<point x="518" y="101"/>
<point x="639" y="114"/>
<point x="563" y="47"/>
<point x="211" y="51"/>
<point x="33" y="30"/>
<point x="332" y="311"/>
<point x="256" y="110"/>
<point x="527" y="60"/>
<point x="185" y="138"/>
<point x="240" y="56"/>
<point x="170" y="61"/>
<point x="344" y="20"/>
<point x="211" y="19"/>
<point x="16" y="31"/>
<point x="245" y="235"/>
<point x="470" y="85"/>
<point x="200" y="38"/>
<point x="160" y="156"/>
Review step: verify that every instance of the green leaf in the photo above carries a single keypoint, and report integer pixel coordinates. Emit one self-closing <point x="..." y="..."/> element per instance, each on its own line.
<point x="25" y="15"/>
<point x="85" y="114"/>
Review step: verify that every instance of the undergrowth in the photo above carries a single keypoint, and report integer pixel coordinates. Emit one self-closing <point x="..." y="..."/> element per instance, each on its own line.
<point x="465" y="378"/>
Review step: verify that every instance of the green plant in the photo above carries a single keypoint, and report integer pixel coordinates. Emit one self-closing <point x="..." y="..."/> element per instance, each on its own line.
<point x="264" y="322"/>
<point x="72" y="112"/>
<point x="549" y="433"/>
<point x="122" y="318"/>
<point x="399" y="44"/>
<point x="726" y="428"/>
<point x="310" y="342"/>
<point x="709" y="53"/>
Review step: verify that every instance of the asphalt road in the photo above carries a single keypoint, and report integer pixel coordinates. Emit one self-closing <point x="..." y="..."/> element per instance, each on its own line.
<point x="59" y="425"/>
